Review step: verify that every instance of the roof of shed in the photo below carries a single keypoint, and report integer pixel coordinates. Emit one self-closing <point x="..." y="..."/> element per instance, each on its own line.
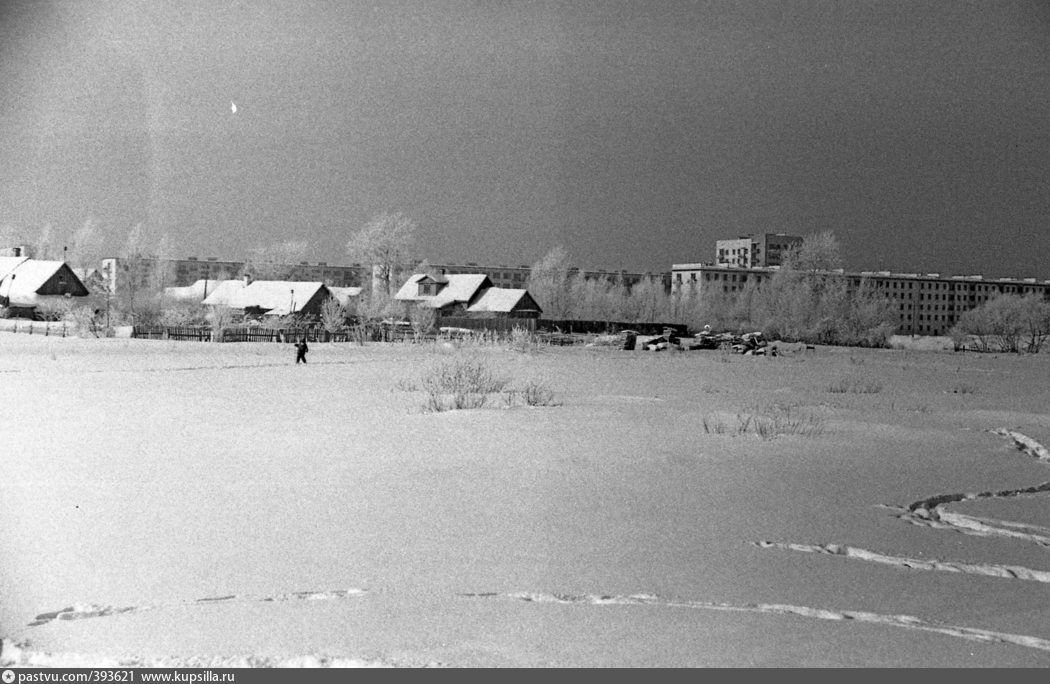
<point x="498" y="299"/>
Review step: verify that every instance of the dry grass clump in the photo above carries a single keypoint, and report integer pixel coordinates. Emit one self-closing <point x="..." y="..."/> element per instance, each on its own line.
<point x="533" y="393"/>
<point x="460" y="381"/>
<point x="768" y="421"/>
<point x="523" y="340"/>
<point x="468" y="380"/>
<point x="519" y="339"/>
<point x="854" y="386"/>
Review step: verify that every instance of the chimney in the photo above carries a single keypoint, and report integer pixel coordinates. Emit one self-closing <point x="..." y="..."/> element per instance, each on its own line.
<point x="247" y="279"/>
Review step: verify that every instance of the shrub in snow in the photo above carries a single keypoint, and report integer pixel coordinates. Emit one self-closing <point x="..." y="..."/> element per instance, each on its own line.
<point x="460" y="381"/>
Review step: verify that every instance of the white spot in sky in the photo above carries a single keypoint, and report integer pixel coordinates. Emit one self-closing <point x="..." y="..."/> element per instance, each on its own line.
<point x="233" y="107"/>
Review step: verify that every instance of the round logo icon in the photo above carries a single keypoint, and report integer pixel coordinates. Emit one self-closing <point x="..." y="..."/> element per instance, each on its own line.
<point x="8" y="676"/>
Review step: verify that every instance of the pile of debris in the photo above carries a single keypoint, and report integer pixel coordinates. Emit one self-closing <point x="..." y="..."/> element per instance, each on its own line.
<point x="748" y="344"/>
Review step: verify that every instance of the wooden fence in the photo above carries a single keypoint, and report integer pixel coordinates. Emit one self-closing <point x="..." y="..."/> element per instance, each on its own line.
<point x="239" y="334"/>
<point x="376" y="333"/>
<point x="504" y="325"/>
<point x="47" y="328"/>
<point x="598" y="327"/>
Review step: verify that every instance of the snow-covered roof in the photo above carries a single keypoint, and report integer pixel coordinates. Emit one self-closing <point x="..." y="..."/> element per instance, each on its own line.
<point x="280" y="297"/>
<point x="32" y="273"/>
<point x="410" y="290"/>
<point x="20" y="278"/>
<point x="8" y="264"/>
<point x="498" y="300"/>
<point x="224" y="293"/>
<point x="460" y="287"/>
<point x="344" y="294"/>
<point x="195" y="292"/>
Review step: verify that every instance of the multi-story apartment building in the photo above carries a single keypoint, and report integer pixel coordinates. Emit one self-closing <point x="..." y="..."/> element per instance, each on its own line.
<point x="518" y="276"/>
<point x="749" y="251"/>
<point x="183" y="272"/>
<point x="924" y="304"/>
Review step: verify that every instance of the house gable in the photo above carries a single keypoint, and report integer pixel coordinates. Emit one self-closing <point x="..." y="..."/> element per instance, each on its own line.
<point x="27" y="282"/>
<point x="62" y="282"/>
<point x="429" y="286"/>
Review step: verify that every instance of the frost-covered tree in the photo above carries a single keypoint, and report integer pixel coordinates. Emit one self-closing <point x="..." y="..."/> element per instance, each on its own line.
<point x="85" y="247"/>
<point x="549" y="283"/>
<point x="818" y="252"/>
<point x="1006" y="323"/>
<point x="276" y="261"/>
<point x="383" y="243"/>
<point x="45" y="243"/>
<point x="333" y="315"/>
<point x="140" y="276"/>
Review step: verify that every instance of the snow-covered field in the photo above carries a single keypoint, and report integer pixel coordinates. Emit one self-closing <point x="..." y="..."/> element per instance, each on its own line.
<point x="183" y="503"/>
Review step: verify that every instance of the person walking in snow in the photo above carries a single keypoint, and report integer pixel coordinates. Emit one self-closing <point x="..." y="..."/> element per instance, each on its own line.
<point x="300" y="351"/>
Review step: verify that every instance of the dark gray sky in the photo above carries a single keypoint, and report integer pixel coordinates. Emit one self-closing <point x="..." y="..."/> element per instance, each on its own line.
<point x="633" y="133"/>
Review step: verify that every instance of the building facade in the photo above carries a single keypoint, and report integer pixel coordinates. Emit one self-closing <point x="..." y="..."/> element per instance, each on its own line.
<point x="185" y="272"/>
<point x="518" y="276"/>
<point x="924" y="304"/>
<point x="751" y="251"/>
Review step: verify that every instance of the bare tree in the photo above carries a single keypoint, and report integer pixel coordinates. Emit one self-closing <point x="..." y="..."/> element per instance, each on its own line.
<point x="377" y="306"/>
<point x="85" y="245"/>
<point x="136" y="281"/>
<point x="1008" y="323"/>
<point x="383" y="243"/>
<point x="549" y="283"/>
<point x="277" y="261"/>
<point x="423" y="318"/>
<point x="220" y="317"/>
<point x="1035" y="320"/>
<point x="333" y="315"/>
<point x="44" y="247"/>
<point x="818" y="252"/>
<point x="646" y="301"/>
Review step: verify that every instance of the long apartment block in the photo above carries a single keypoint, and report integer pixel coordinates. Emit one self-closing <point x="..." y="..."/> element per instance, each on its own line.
<point x="925" y="303"/>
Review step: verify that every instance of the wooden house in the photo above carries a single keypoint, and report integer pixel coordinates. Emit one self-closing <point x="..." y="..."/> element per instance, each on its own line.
<point x="467" y="294"/>
<point x="27" y="283"/>
<point x="272" y="298"/>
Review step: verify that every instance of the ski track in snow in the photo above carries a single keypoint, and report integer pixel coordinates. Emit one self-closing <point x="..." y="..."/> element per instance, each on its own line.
<point x="927" y="512"/>
<point x="90" y="610"/>
<point x="930" y="512"/>
<point x="902" y="621"/>
<point x="985" y="569"/>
